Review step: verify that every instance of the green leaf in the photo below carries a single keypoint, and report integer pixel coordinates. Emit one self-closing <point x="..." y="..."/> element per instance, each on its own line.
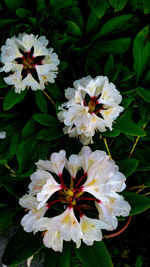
<point x="23" y="13"/>
<point x="112" y="133"/>
<point x="93" y="256"/>
<point x="138" y="202"/>
<point x="20" y="247"/>
<point x="92" y="67"/>
<point x="73" y="28"/>
<point x="115" y="47"/>
<point x="50" y="134"/>
<point x="92" y="23"/>
<point x="58" y="259"/>
<point x="54" y="91"/>
<point x="46" y="120"/>
<point x="12" y="98"/>
<point x="145" y="94"/>
<point x="109" y="66"/>
<point x="128" y="166"/>
<point x="99" y="7"/>
<point x="141" y="52"/>
<point x="127" y="126"/>
<point x="118" y="4"/>
<point x="117" y="24"/>
<point x="7" y="22"/>
<point x="13" y="4"/>
<point x="41" y="101"/>
<point x="2" y="82"/>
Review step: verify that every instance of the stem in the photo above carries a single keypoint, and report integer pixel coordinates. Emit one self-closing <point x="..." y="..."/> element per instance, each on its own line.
<point x="85" y="174"/>
<point x="135" y="143"/>
<point x="89" y="198"/>
<point x="49" y="98"/>
<point x="11" y="170"/>
<point x="120" y="231"/>
<point x="106" y="145"/>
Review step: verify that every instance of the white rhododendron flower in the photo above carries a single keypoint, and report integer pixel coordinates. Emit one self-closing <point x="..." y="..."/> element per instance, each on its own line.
<point x="84" y="182"/>
<point x="93" y="104"/>
<point x="2" y="135"/>
<point x="30" y="62"/>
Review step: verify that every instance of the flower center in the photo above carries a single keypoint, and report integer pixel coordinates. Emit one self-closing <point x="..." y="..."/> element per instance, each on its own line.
<point x="29" y="62"/>
<point x="93" y="104"/>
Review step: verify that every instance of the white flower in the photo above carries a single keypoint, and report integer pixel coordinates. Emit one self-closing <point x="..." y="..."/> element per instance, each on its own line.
<point x="52" y="237"/>
<point x="86" y="178"/>
<point x="33" y="215"/>
<point x="91" y="229"/>
<point x="55" y="164"/>
<point x="109" y="210"/>
<point x="2" y="135"/>
<point x="93" y="104"/>
<point x="32" y="64"/>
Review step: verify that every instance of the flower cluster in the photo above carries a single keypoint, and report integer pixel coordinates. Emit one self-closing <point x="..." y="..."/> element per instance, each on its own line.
<point x="74" y="199"/>
<point x="93" y="104"/>
<point x="30" y="62"/>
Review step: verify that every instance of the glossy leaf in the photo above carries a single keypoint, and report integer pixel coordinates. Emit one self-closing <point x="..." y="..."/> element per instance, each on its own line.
<point x="118" y="5"/>
<point x="12" y="98"/>
<point x="141" y="52"/>
<point x="20" y="247"/>
<point x="46" y="120"/>
<point x="145" y="94"/>
<point x="57" y="259"/>
<point x="114" y="25"/>
<point x="41" y="101"/>
<point x="73" y="28"/>
<point x="50" y="134"/>
<point x="138" y="202"/>
<point x="92" y="256"/>
<point x="128" y="166"/>
<point x="99" y="7"/>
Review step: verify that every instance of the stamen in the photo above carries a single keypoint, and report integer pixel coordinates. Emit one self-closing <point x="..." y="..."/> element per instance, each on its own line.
<point x="80" y="211"/>
<point x="85" y="174"/>
<point x="62" y="182"/>
<point x="48" y="205"/>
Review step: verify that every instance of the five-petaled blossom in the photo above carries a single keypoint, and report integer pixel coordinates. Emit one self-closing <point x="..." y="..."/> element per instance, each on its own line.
<point x="29" y="62"/>
<point x="74" y="199"/>
<point x="93" y="104"/>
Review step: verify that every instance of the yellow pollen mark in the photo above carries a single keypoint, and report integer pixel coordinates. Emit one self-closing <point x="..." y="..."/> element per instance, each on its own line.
<point x="70" y="193"/>
<point x="73" y="202"/>
<point x="92" y="182"/>
<point x="107" y="112"/>
<point x="66" y="219"/>
<point x="74" y="222"/>
<point x="93" y="226"/>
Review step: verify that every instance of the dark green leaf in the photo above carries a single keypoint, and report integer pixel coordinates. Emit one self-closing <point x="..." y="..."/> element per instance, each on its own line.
<point x="41" y="101"/>
<point x="46" y="120"/>
<point x="50" y="134"/>
<point x="128" y="166"/>
<point x="12" y="98"/>
<point x="109" y="66"/>
<point x="92" y="23"/>
<point x="73" y="28"/>
<point x="2" y="82"/>
<point x="23" y="13"/>
<point x="116" y="47"/>
<point x="57" y="259"/>
<point x="54" y="91"/>
<point x="13" y="4"/>
<point x="99" y="7"/>
<point x="141" y="52"/>
<point x="20" y="247"/>
<point x="117" y="24"/>
<point x="145" y="94"/>
<point x="118" y="4"/>
<point x="92" y="256"/>
<point x="138" y="202"/>
<point x="7" y="22"/>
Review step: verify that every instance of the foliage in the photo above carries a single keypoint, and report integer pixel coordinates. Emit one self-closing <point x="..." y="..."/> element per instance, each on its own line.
<point x="91" y="37"/>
